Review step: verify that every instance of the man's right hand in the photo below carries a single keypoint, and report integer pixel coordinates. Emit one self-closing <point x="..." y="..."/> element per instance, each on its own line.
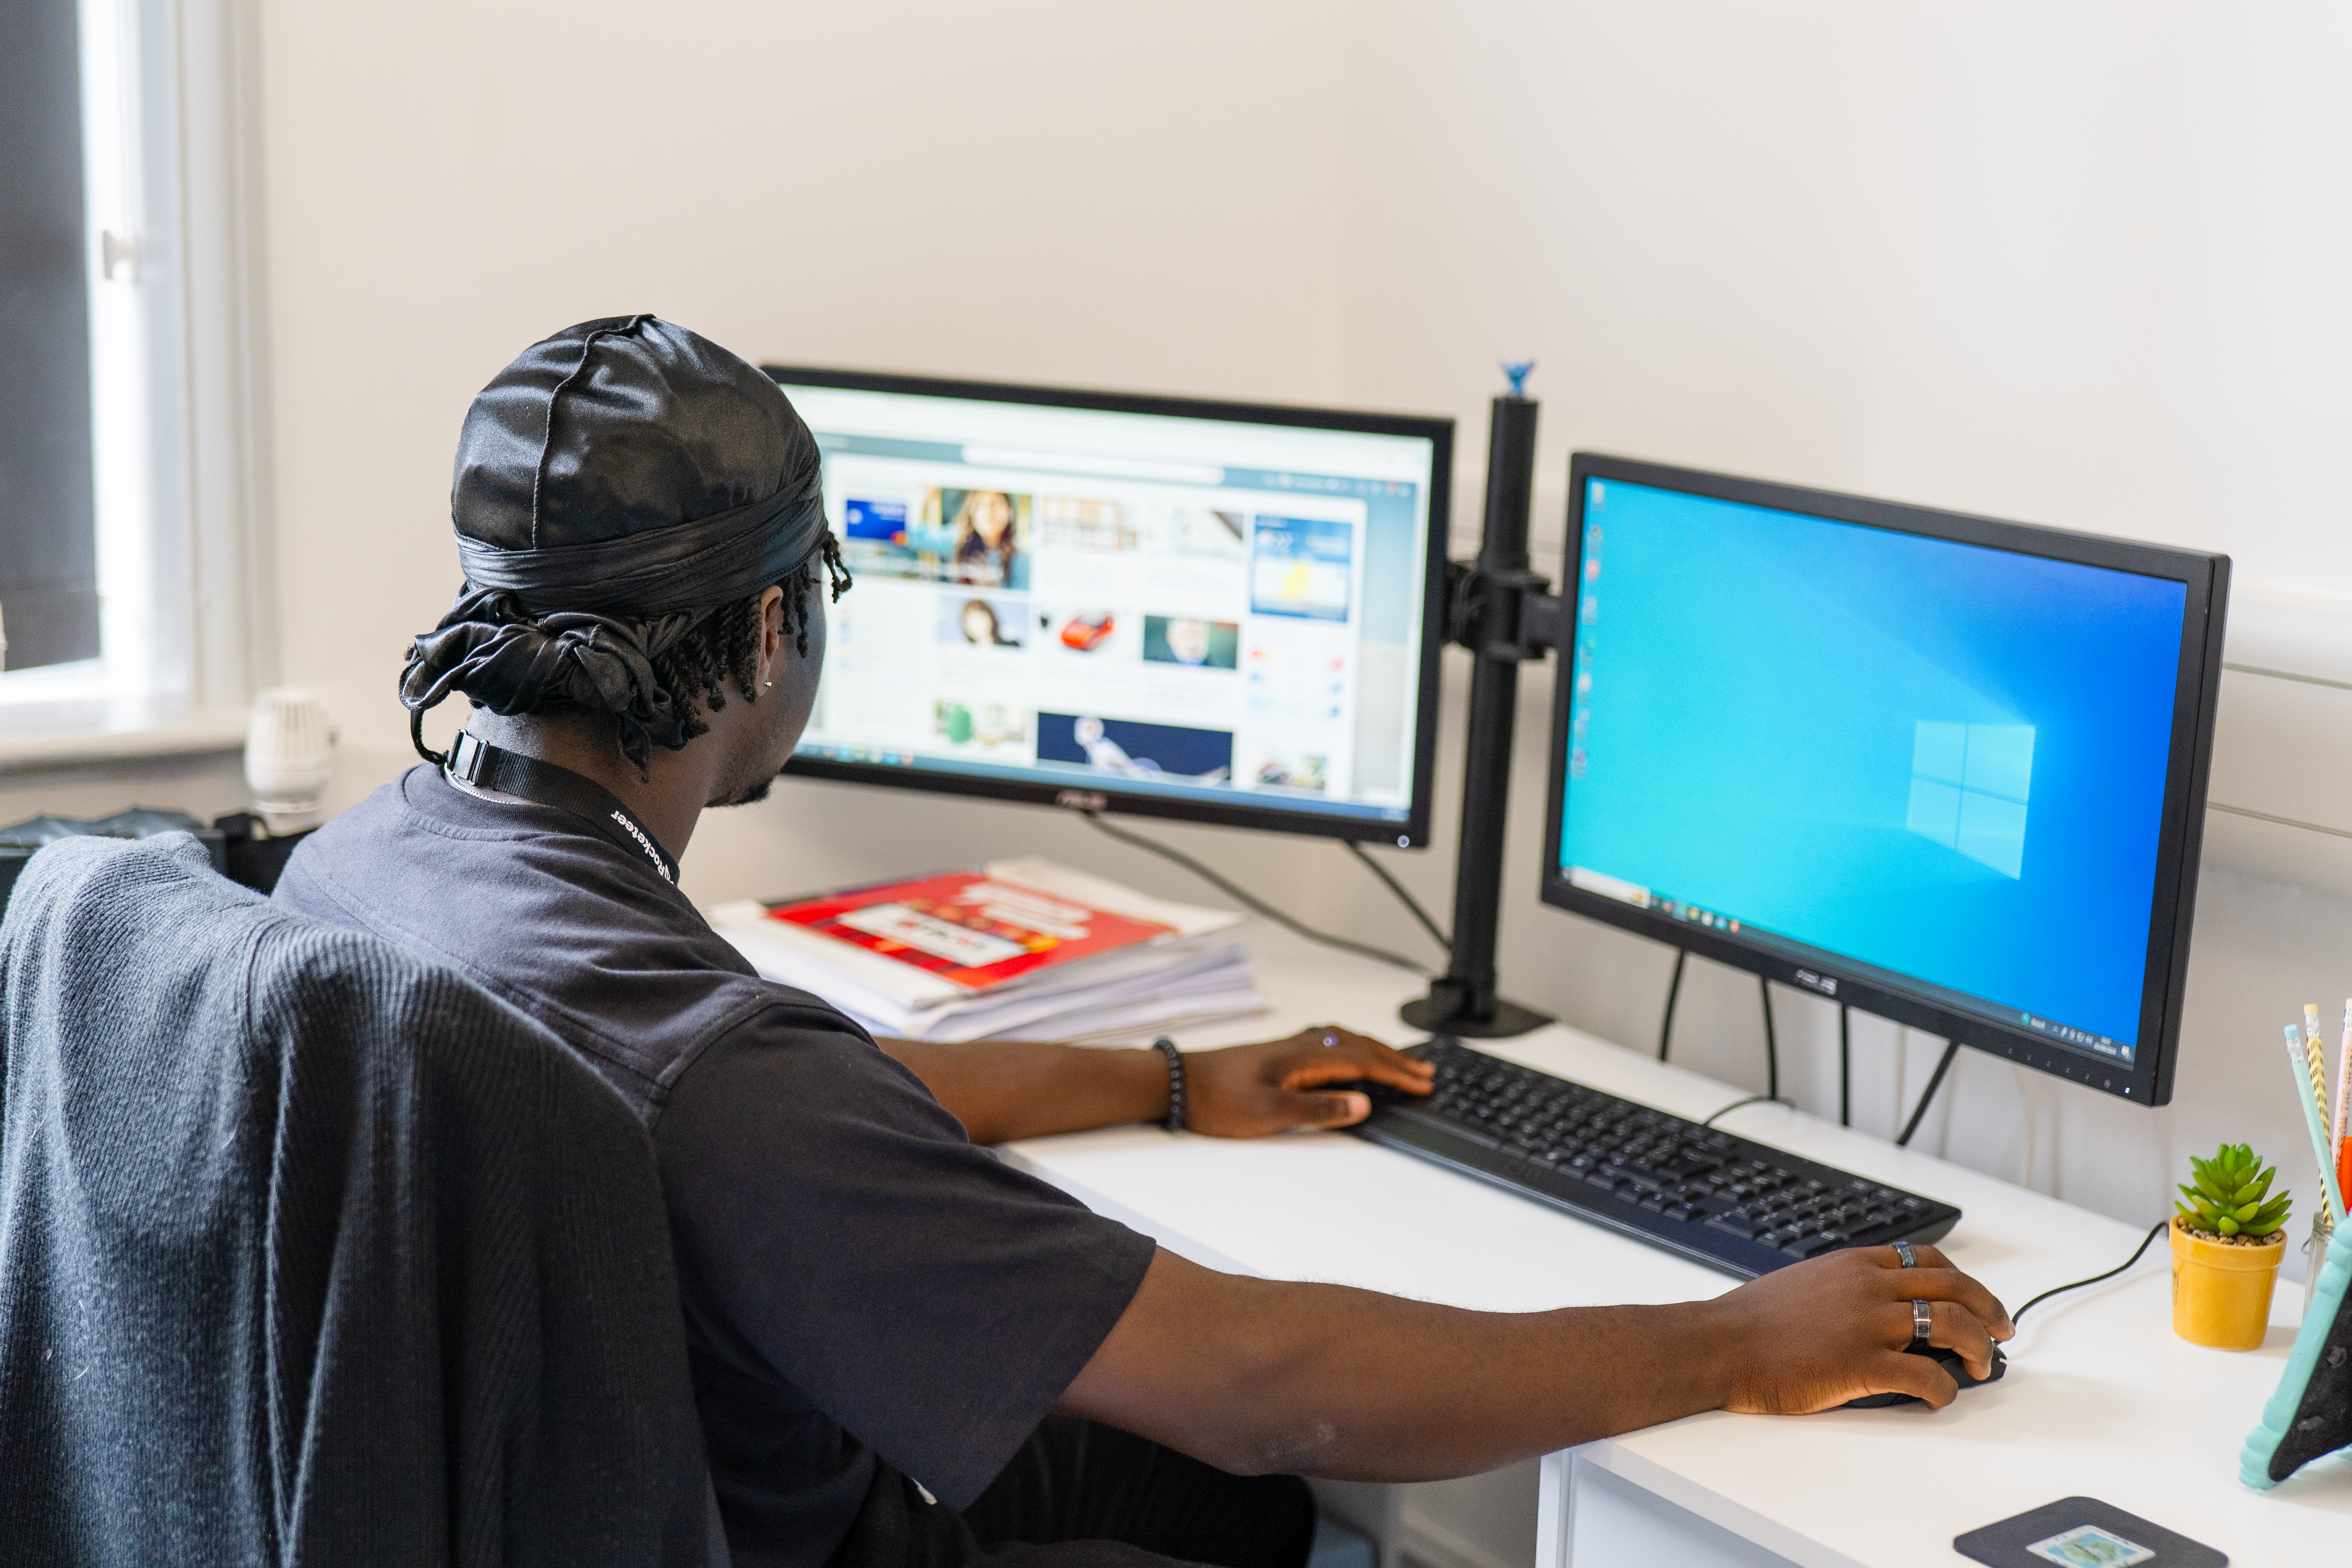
<point x="1815" y="1334"/>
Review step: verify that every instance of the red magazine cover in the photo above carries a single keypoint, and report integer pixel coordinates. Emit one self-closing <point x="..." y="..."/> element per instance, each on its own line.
<point x="969" y="928"/>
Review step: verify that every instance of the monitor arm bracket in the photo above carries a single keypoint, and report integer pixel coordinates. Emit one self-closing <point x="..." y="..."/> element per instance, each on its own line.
<point x="1503" y="614"/>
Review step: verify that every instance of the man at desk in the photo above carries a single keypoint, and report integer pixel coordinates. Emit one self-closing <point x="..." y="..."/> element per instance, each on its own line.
<point x="905" y="1352"/>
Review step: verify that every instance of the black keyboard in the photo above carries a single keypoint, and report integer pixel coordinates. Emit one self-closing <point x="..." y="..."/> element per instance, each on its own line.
<point x="1743" y="1207"/>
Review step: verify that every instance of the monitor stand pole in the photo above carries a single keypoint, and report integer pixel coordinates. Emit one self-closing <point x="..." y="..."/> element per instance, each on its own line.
<point x="1500" y="612"/>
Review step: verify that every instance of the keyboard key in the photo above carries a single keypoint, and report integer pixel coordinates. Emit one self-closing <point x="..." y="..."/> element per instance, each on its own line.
<point x="1746" y="1227"/>
<point x="1680" y="1211"/>
<point x="1808" y="1246"/>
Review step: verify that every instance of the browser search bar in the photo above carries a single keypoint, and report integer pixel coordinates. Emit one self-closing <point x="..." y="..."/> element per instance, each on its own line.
<point x="1079" y="463"/>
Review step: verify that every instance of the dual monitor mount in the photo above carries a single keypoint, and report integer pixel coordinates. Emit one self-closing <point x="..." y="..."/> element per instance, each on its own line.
<point x="1506" y="616"/>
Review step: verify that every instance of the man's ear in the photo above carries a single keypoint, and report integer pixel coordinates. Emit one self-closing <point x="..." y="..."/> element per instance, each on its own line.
<point x="771" y="635"/>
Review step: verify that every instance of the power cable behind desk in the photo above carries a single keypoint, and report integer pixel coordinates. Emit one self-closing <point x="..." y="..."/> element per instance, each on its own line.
<point x="1728" y="1202"/>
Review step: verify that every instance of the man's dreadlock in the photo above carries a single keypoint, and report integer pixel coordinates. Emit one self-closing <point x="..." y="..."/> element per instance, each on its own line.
<point x="726" y="646"/>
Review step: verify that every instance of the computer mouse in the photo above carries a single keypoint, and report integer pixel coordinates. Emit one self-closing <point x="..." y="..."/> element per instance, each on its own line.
<point x="1950" y="1361"/>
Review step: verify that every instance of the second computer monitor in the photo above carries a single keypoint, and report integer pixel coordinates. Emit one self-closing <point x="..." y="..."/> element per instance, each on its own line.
<point x="1216" y="611"/>
<point x="1946" y="769"/>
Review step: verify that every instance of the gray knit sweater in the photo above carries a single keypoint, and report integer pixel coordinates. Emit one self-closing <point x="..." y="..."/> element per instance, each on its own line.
<point x="312" y="1253"/>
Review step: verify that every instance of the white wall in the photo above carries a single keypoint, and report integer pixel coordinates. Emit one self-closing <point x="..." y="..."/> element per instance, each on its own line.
<point x="1136" y="196"/>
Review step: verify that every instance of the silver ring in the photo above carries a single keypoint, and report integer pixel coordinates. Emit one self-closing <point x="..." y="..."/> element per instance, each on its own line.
<point x="1902" y="1253"/>
<point x="1330" y="1039"/>
<point x="1923" y="1323"/>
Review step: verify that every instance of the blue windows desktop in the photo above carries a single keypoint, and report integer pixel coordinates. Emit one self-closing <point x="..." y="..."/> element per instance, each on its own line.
<point x="1935" y="761"/>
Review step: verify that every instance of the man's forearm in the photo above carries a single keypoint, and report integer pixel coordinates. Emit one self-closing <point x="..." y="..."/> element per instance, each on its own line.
<point x="1257" y="1375"/>
<point x="1354" y="1386"/>
<point x="1004" y="1090"/>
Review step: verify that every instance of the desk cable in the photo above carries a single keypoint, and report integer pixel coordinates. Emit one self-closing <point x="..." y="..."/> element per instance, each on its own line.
<point x="1393" y="885"/>
<point x="1935" y="1082"/>
<point x="1751" y="1100"/>
<point x="2153" y="1231"/>
<point x="1251" y="901"/>
<point x="1772" y="1040"/>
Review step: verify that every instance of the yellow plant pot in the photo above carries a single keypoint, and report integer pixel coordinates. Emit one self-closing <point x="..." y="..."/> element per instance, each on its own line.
<point x="2221" y="1293"/>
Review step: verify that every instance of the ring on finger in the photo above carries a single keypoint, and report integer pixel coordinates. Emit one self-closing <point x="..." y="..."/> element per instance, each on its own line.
<point x="1330" y="1039"/>
<point x="1905" y="1257"/>
<point x="1923" y="1323"/>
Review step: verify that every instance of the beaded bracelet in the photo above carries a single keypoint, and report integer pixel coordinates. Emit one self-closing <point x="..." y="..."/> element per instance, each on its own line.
<point x="1174" y="1121"/>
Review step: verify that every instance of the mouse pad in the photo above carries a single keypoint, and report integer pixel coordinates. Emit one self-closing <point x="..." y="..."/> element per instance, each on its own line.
<point x="2083" y="1532"/>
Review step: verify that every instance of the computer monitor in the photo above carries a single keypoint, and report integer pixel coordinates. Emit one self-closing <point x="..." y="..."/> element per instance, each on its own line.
<point x="1948" y="770"/>
<point x="1216" y="611"/>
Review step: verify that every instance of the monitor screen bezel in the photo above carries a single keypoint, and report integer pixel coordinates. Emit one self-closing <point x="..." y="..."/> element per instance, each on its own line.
<point x="2206" y="579"/>
<point x="1092" y="795"/>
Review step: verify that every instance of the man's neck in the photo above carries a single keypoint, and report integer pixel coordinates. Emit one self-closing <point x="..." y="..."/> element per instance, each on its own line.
<point x="668" y="800"/>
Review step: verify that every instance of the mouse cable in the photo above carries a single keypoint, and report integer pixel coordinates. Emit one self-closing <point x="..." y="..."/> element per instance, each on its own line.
<point x="1251" y="901"/>
<point x="1393" y="885"/>
<point x="1751" y="1100"/>
<point x="1919" y="1111"/>
<point x="2060" y="1289"/>
<point x="1771" y="1046"/>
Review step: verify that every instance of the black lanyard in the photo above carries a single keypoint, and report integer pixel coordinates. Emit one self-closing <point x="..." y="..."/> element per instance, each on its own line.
<point x="478" y="762"/>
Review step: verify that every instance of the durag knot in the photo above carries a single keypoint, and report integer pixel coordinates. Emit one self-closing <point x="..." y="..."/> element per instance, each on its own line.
<point x="506" y="659"/>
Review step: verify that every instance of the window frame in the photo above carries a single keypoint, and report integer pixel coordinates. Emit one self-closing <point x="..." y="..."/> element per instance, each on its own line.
<point x="173" y="253"/>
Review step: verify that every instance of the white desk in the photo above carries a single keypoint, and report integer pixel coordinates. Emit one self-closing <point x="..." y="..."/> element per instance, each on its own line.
<point x="2100" y="1398"/>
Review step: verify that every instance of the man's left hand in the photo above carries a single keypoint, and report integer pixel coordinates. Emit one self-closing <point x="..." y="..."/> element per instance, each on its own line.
<point x="1247" y="1091"/>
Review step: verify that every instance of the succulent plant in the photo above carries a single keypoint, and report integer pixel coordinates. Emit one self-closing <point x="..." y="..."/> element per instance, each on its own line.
<point x="2232" y="1197"/>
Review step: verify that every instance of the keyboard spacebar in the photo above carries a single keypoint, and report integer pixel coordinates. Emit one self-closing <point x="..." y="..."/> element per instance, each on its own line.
<point x="1445" y="1124"/>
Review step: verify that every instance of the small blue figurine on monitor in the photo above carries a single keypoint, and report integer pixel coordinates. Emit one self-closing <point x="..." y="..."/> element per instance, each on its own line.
<point x="1516" y="370"/>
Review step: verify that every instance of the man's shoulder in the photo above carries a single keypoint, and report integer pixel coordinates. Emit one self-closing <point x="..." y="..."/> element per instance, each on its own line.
<point x="418" y="845"/>
<point x="552" y="918"/>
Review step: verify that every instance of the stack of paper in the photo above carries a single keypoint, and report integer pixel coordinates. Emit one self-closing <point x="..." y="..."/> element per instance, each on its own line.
<point x="1191" y="974"/>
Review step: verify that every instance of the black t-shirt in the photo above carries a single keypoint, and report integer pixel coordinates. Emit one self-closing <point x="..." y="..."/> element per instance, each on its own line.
<point x="859" y="1280"/>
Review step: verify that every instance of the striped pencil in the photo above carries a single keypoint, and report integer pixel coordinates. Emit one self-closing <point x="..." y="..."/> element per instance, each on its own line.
<point x="2315" y="1063"/>
<point x="2311" y="1092"/>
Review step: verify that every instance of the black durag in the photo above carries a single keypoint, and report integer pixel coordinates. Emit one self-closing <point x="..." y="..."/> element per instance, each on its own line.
<point x="615" y="485"/>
